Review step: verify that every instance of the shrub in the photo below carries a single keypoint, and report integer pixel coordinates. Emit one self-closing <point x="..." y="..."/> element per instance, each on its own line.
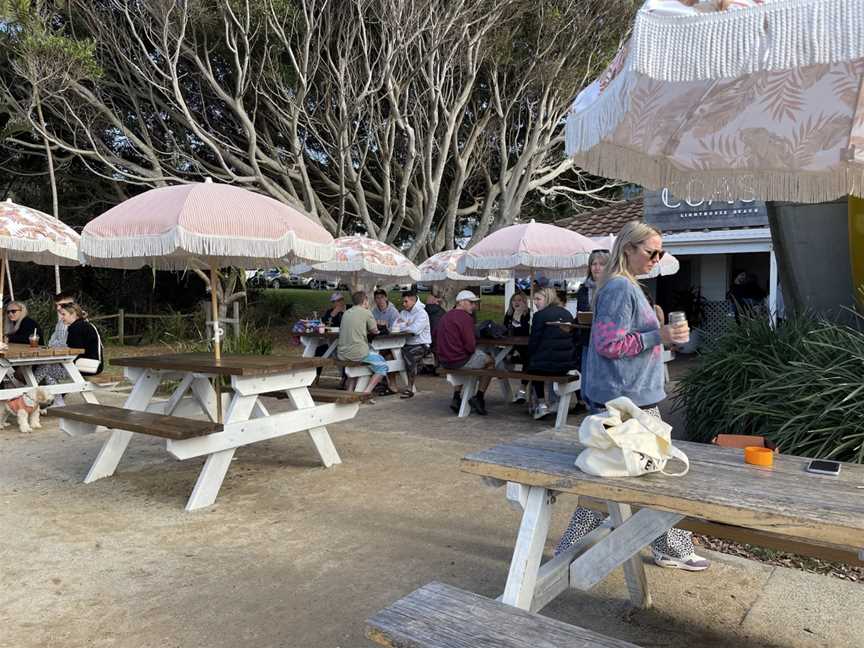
<point x="253" y="340"/>
<point x="799" y="385"/>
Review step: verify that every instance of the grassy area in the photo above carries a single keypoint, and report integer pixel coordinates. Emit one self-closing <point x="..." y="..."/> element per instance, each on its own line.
<point x="304" y="301"/>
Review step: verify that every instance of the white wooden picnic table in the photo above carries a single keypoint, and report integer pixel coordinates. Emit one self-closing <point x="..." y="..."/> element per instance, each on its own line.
<point x="500" y="348"/>
<point x="25" y="358"/>
<point x="246" y="419"/>
<point x="782" y="501"/>
<point x="388" y="342"/>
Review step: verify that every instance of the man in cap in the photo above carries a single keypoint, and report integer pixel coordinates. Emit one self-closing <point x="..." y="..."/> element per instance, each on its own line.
<point x="456" y="348"/>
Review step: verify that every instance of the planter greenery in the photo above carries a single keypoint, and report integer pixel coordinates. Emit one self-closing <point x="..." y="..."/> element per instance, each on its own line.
<point x="801" y="386"/>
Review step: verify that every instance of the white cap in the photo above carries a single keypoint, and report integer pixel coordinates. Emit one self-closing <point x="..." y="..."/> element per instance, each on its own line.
<point x="336" y="296"/>
<point x="467" y="295"/>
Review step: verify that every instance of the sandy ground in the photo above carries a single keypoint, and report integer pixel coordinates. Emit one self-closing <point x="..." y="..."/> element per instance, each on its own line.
<point x="293" y="554"/>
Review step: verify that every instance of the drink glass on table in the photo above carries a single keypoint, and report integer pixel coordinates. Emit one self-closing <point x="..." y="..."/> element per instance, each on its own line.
<point x="676" y="318"/>
<point x="34" y="339"/>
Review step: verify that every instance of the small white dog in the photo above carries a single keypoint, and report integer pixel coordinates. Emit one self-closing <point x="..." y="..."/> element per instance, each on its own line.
<point x="26" y="409"/>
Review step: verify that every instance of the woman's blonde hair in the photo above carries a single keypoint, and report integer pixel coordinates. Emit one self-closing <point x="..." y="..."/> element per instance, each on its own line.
<point x="597" y="255"/>
<point x="75" y="309"/>
<point x="631" y="235"/>
<point x="12" y="327"/>
<point x="551" y="296"/>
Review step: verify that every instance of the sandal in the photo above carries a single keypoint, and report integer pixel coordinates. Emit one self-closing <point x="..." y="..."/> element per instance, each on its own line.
<point x="406" y="393"/>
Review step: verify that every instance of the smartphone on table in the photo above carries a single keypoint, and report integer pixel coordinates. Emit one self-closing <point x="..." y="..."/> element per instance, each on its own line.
<point x="824" y="467"/>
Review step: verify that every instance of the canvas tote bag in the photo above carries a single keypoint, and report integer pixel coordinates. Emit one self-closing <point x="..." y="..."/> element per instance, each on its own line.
<point x="625" y="441"/>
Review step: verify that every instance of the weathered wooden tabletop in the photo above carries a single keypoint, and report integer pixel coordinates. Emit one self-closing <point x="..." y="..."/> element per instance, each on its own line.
<point x="783" y="499"/>
<point x="332" y="335"/>
<point x="20" y="351"/>
<point x="228" y="365"/>
<point x="511" y="340"/>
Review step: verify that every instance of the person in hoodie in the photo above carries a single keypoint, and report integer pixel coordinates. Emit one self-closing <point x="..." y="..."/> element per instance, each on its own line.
<point x="415" y="320"/>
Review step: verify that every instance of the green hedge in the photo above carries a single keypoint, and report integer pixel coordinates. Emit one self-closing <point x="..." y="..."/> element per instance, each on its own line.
<point x="800" y="385"/>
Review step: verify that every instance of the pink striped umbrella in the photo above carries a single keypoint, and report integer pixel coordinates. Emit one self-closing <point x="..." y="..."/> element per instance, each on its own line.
<point x="529" y="248"/>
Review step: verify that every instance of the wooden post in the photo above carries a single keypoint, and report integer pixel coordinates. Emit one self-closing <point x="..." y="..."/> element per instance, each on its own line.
<point x="236" y="308"/>
<point x="2" y="280"/>
<point x="217" y="343"/>
<point x="121" y="326"/>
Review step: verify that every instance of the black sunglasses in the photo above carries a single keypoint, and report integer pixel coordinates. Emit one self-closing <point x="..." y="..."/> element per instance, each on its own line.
<point x="655" y="255"/>
<point x="13" y="310"/>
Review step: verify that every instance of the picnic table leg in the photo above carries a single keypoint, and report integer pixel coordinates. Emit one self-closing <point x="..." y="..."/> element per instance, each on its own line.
<point x="634" y="570"/>
<point x="525" y="565"/>
<point x="506" y="389"/>
<point x="114" y="447"/>
<point x="302" y="399"/>
<point x="216" y="465"/>
<point x="78" y="379"/>
<point x="468" y="388"/>
<point x="563" y="407"/>
<point x="397" y="356"/>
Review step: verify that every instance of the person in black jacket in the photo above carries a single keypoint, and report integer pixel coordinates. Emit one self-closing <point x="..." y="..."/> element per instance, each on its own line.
<point x="550" y="350"/>
<point x="597" y="261"/>
<point x="81" y="334"/>
<point x="517" y="321"/>
<point x="19" y="326"/>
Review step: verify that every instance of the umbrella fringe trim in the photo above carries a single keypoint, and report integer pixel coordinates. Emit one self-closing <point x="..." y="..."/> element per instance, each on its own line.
<point x="523" y="261"/>
<point x="330" y="270"/>
<point x="611" y="161"/>
<point x="98" y="251"/>
<point x="587" y="127"/>
<point x="21" y="249"/>
<point x="733" y="43"/>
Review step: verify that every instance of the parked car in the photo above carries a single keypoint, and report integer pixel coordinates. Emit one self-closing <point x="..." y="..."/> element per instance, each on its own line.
<point x="403" y="287"/>
<point x="492" y="289"/>
<point x="263" y="278"/>
<point x="422" y="287"/>
<point x="327" y="284"/>
<point x="296" y="281"/>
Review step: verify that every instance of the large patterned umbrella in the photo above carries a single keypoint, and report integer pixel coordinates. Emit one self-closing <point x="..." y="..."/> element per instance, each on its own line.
<point x="762" y="100"/>
<point x="361" y="261"/>
<point x="204" y="225"/>
<point x="27" y="234"/>
<point x="443" y="269"/>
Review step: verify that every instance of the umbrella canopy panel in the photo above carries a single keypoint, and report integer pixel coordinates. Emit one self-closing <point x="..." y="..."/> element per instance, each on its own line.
<point x="363" y="260"/>
<point x="527" y="248"/>
<point x="443" y="268"/>
<point x="30" y="235"/>
<point x="775" y="134"/>
<point x="209" y="224"/>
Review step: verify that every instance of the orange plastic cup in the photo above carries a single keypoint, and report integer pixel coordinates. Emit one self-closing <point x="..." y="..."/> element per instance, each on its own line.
<point x="758" y="456"/>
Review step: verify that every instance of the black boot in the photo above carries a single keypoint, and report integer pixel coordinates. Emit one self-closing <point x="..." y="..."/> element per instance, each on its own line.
<point x="456" y="403"/>
<point x="478" y="404"/>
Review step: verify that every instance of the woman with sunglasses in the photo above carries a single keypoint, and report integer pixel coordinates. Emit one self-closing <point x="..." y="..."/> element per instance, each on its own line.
<point x="19" y="326"/>
<point x="625" y="358"/>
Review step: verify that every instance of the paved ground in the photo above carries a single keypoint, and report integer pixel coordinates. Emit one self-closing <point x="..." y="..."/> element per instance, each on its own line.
<point x="294" y="555"/>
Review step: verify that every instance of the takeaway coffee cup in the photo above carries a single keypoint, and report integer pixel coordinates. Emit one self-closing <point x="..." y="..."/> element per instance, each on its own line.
<point x="676" y="318"/>
<point x="34" y="340"/>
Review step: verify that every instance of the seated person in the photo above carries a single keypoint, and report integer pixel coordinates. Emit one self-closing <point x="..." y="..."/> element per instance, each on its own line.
<point x="517" y="321"/>
<point x="456" y="343"/>
<point x="333" y="318"/>
<point x="357" y="325"/>
<point x="80" y="334"/>
<point x="58" y="335"/>
<point x="550" y="350"/>
<point x="435" y="310"/>
<point x="384" y="313"/>
<point x="19" y="326"/>
<point x="414" y="319"/>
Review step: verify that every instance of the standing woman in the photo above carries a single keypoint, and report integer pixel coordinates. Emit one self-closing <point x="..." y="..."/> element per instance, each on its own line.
<point x="81" y="334"/>
<point x="517" y="321"/>
<point x="625" y="358"/>
<point x="597" y="261"/>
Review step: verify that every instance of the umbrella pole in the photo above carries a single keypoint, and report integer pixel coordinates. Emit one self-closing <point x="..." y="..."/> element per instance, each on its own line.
<point x="2" y="283"/>
<point x="9" y="278"/>
<point x="217" y="343"/>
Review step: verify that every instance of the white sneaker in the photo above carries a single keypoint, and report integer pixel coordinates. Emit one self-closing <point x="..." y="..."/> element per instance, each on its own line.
<point x="520" y="396"/>
<point x="693" y="562"/>
<point x="540" y="411"/>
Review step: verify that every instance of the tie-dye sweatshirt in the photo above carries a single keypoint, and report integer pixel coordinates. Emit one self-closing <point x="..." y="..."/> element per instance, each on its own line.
<point x="625" y="355"/>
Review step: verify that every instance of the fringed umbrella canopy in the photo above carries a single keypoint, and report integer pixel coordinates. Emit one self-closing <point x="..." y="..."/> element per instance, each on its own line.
<point x="443" y="269"/>
<point x="362" y="261"/>
<point x="763" y="100"/>
<point x="202" y="224"/>
<point x="27" y="234"/>
<point x="529" y="248"/>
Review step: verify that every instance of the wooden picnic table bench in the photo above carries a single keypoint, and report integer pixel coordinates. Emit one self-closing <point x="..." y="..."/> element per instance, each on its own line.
<point x="783" y="501"/>
<point x="160" y="425"/>
<point x="567" y="385"/>
<point x="23" y="358"/>
<point x="442" y="616"/>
